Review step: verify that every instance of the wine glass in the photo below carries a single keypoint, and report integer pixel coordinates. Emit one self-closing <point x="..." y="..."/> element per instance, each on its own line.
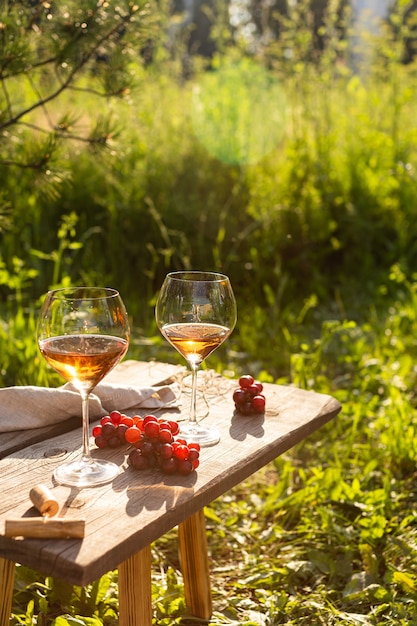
<point x="196" y="313"/>
<point x="83" y="332"/>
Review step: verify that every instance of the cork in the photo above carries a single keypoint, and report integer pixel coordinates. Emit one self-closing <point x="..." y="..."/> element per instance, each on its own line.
<point x="44" y="501"/>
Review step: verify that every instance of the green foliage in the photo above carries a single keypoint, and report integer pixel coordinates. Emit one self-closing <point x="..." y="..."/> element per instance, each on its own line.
<point x="239" y="112"/>
<point x="338" y="191"/>
<point x="37" y="597"/>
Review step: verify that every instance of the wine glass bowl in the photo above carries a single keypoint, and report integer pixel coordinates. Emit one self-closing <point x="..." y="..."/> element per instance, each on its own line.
<point x="196" y="313"/>
<point x="83" y="332"/>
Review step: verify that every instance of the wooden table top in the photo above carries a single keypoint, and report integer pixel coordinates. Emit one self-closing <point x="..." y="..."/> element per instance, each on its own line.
<point x="138" y="507"/>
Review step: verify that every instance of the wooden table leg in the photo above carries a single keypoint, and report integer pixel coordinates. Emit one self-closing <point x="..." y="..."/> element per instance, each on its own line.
<point x="135" y="590"/>
<point x="7" y="569"/>
<point x="195" y="565"/>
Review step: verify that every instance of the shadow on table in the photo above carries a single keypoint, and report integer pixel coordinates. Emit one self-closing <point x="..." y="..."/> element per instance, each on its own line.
<point x="242" y="426"/>
<point x="152" y="491"/>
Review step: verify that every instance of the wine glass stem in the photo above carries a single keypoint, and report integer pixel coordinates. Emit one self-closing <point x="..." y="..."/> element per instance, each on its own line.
<point x="193" y="410"/>
<point x="86" y="428"/>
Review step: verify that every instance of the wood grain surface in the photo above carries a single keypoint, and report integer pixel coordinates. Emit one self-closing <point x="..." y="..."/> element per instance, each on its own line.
<point x="125" y="516"/>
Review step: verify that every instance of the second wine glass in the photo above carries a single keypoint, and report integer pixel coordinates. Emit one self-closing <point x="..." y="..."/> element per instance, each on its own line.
<point x="196" y="313"/>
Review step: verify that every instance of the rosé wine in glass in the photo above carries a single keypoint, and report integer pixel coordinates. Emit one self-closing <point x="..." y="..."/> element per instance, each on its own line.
<point x="83" y="332"/>
<point x="196" y="313"/>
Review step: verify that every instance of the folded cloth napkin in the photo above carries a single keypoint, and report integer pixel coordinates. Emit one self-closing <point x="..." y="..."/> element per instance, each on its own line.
<point x="32" y="407"/>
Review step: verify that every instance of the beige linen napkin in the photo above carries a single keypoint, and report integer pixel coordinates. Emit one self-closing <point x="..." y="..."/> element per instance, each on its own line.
<point x="33" y="407"/>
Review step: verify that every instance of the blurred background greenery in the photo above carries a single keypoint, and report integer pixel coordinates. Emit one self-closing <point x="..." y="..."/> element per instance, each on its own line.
<point x="274" y="159"/>
<point x="275" y="142"/>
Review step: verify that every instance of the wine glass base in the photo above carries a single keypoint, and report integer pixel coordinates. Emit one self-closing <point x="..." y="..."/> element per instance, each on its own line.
<point x="86" y="473"/>
<point x="204" y="435"/>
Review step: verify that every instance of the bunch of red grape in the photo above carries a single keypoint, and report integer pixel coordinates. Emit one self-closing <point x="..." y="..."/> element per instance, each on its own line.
<point x="155" y="442"/>
<point x="248" y="397"/>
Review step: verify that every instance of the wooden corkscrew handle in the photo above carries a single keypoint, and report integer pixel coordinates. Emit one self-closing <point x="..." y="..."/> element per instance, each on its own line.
<point x="47" y="527"/>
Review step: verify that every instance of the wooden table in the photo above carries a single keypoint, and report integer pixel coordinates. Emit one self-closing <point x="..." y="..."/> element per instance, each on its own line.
<point x="124" y="517"/>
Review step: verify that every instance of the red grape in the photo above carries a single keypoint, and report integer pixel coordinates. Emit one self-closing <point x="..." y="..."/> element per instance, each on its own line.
<point x="258" y="403"/>
<point x="181" y="452"/>
<point x="113" y="442"/>
<point x="194" y="446"/>
<point x="138" y="421"/>
<point x="253" y="390"/>
<point x="97" y="431"/>
<point x="149" y="418"/>
<point x="146" y="447"/>
<point x="166" y="451"/>
<point x="246" y="381"/>
<point x="128" y="421"/>
<point x="108" y="430"/>
<point x="137" y="460"/>
<point x="193" y="454"/>
<point x="121" y="432"/>
<point x="151" y="429"/>
<point x="101" y="442"/>
<point x="116" y="417"/>
<point x="169" y="466"/>
<point x="239" y="396"/>
<point x="133" y="434"/>
<point x="175" y="429"/>
<point x="185" y="467"/>
<point x="165" y="435"/>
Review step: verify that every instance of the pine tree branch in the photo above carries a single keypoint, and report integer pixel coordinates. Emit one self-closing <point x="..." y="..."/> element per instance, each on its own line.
<point x="66" y="83"/>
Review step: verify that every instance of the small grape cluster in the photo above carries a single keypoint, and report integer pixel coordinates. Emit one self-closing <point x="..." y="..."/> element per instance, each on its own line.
<point x="155" y="442"/>
<point x="248" y="397"/>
